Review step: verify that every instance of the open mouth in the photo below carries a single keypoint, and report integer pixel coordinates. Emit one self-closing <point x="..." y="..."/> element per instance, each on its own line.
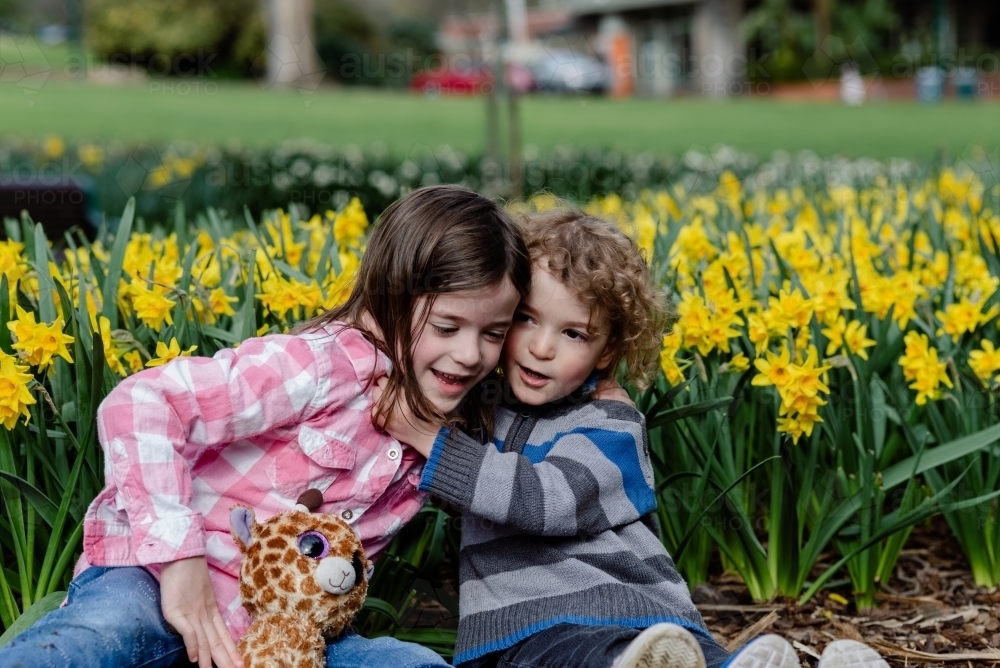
<point x="532" y="378"/>
<point x="450" y="381"/>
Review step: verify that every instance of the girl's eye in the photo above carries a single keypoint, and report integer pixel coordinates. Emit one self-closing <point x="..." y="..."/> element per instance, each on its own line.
<point x="444" y="330"/>
<point x="575" y="335"/>
<point x="521" y="317"/>
<point x="496" y="336"/>
<point x="313" y="544"/>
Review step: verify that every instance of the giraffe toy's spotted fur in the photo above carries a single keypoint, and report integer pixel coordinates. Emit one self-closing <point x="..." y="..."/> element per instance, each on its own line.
<point x="303" y="578"/>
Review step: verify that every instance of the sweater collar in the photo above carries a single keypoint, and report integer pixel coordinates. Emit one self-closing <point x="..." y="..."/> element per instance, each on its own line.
<point x="578" y="396"/>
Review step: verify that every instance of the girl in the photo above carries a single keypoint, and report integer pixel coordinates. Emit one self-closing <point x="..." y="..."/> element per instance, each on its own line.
<point x="279" y="415"/>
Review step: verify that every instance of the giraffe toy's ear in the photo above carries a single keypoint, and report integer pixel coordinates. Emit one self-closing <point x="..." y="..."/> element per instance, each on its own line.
<point x="241" y="519"/>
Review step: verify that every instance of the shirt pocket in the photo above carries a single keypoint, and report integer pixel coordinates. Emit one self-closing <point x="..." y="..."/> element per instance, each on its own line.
<point x="314" y="460"/>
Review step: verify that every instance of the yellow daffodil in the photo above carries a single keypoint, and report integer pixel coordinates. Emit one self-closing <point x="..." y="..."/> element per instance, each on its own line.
<point x="134" y="360"/>
<point x="855" y="340"/>
<point x="986" y="361"/>
<point x="14" y="394"/>
<point x="774" y="369"/>
<point x="920" y="365"/>
<point x="38" y="343"/>
<point x="959" y="318"/>
<point x="739" y="363"/>
<point x="165" y="353"/>
<point x="151" y="306"/>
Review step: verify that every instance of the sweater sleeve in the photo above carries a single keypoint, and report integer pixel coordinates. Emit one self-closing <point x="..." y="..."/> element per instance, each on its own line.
<point x="574" y="477"/>
<point x="155" y="424"/>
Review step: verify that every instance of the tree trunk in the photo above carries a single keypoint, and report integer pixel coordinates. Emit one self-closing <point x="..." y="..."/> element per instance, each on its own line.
<point x="291" y="56"/>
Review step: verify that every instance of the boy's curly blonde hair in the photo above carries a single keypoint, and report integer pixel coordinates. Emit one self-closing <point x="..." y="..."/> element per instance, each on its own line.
<point x="608" y="271"/>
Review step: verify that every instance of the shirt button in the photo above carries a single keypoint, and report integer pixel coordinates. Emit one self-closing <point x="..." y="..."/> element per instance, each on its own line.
<point x="393" y="454"/>
<point x="347" y="514"/>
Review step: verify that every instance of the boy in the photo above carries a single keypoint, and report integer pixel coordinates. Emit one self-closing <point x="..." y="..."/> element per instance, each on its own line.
<point x="561" y="564"/>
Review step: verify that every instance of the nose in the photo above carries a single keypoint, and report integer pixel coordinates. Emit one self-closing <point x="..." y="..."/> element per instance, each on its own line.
<point x="335" y="575"/>
<point x="467" y="351"/>
<point x="541" y="345"/>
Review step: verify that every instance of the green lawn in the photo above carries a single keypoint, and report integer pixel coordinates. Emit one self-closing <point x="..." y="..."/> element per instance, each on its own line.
<point x="208" y="110"/>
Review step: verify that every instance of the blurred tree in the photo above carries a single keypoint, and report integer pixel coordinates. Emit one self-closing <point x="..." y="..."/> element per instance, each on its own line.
<point x="360" y="48"/>
<point x="785" y="32"/>
<point x="821" y="15"/>
<point x="10" y="13"/>
<point x="218" y="34"/>
<point x="871" y="21"/>
<point x="794" y="34"/>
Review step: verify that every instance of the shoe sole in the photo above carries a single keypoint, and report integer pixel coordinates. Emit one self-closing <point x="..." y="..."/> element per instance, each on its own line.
<point x="850" y="654"/>
<point x="768" y="651"/>
<point x="662" y="646"/>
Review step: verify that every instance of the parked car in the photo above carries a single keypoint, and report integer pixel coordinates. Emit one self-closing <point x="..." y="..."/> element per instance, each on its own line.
<point x="470" y="81"/>
<point x="473" y="80"/>
<point x="567" y="71"/>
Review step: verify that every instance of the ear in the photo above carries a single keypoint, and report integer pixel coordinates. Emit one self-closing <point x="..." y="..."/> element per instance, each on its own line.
<point x="605" y="359"/>
<point x="241" y="520"/>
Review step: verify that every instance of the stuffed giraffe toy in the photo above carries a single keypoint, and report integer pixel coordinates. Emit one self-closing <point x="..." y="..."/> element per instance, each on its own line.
<point x="303" y="578"/>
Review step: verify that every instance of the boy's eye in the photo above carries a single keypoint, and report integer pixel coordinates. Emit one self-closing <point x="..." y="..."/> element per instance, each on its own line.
<point x="496" y="336"/>
<point x="521" y="317"/>
<point x="575" y="335"/>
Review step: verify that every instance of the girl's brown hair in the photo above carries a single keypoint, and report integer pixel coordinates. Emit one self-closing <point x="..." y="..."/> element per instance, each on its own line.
<point x="432" y="241"/>
<point x="607" y="270"/>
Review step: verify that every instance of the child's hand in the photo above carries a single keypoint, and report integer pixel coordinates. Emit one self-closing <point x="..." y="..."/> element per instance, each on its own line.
<point x="609" y="389"/>
<point x="403" y="426"/>
<point x="189" y="605"/>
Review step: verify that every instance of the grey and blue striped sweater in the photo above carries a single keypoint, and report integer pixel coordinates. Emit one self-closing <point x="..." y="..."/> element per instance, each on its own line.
<point x="556" y="525"/>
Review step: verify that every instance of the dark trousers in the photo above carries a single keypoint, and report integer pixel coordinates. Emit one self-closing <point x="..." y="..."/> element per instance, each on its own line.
<point x="573" y="646"/>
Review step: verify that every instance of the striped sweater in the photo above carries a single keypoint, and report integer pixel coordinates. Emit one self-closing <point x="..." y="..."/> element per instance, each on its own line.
<point x="556" y="526"/>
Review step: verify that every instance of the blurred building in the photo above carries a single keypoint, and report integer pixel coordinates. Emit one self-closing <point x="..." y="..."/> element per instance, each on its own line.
<point x="657" y="48"/>
<point x="663" y="45"/>
<point x="650" y="47"/>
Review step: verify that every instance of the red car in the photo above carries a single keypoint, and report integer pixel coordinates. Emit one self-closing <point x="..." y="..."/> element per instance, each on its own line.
<point x="475" y="80"/>
<point x="472" y="81"/>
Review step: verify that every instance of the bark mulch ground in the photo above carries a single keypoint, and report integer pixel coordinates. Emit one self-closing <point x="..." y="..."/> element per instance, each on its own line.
<point x="931" y="613"/>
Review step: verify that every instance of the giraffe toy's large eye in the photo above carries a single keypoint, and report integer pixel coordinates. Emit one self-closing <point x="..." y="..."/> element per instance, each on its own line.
<point x="313" y="544"/>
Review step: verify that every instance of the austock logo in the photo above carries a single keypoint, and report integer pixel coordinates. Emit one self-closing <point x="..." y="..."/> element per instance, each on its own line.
<point x="23" y="65"/>
<point x="287" y="63"/>
<point x="833" y="54"/>
<point x="167" y="172"/>
<point x="985" y="164"/>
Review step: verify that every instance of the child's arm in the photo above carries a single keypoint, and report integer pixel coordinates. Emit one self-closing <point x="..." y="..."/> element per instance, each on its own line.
<point x="591" y="476"/>
<point x="155" y="424"/>
<point x="189" y="605"/>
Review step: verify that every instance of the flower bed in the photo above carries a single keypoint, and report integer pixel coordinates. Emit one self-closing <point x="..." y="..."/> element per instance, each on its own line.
<point x="829" y="385"/>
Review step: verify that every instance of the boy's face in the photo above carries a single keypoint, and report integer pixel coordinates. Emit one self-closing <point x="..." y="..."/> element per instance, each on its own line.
<point x="550" y="349"/>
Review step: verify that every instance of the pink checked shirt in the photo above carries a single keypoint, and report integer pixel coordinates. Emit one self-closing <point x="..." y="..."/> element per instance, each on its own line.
<point x="256" y="425"/>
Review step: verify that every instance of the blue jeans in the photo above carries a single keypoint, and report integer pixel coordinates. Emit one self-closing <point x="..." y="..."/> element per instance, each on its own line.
<point x="576" y="646"/>
<point x="113" y="620"/>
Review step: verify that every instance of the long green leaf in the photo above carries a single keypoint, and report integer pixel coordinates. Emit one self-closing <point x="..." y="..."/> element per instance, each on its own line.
<point x="383" y="607"/>
<point x="43" y="505"/>
<point x="46" y="289"/>
<point x="942" y="454"/>
<point x="122" y="234"/>
<point x="249" y="310"/>
<point x="690" y="410"/>
<point x="38" y="610"/>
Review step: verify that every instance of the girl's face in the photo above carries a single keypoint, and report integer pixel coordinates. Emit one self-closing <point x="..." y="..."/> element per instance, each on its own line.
<point x="461" y="341"/>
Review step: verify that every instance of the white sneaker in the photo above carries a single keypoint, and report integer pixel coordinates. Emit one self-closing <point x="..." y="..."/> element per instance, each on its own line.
<point x="662" y="646"/>
<point x="850" y="654"/>
<point x="768" y="651"/>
